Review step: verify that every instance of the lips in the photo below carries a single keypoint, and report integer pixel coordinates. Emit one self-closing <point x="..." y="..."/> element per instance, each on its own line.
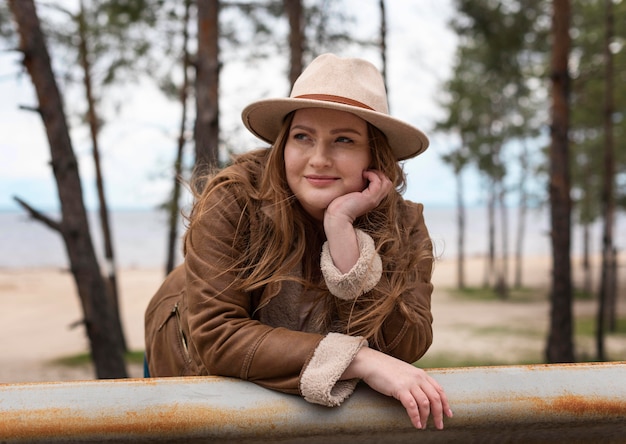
<point x="320" y="180"/>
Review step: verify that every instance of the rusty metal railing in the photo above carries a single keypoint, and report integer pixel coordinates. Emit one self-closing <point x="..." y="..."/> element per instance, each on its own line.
<point x="525" y="404"/>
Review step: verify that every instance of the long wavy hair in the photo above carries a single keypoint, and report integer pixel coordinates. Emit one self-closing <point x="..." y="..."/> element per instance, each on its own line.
<point x="287" y="238"/>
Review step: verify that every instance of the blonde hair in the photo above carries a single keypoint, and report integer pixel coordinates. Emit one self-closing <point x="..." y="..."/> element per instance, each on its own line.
<point x="287" y="237"/>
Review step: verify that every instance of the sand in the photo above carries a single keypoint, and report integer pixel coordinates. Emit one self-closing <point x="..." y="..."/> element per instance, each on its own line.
<point x="39" y="306"/>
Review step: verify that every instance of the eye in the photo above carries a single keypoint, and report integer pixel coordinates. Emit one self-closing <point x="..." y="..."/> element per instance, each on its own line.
<point x="342" y="139"/>
<point x="300" y="136"/>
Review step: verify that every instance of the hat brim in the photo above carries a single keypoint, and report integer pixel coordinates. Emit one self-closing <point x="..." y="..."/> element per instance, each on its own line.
<point x="264" y="119"/>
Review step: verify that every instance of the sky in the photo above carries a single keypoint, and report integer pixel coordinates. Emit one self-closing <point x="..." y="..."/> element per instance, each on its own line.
<point x="138" y="142"/>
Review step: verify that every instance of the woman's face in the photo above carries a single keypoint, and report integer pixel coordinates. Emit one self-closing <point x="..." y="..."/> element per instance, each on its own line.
<point x="325" y="156"/>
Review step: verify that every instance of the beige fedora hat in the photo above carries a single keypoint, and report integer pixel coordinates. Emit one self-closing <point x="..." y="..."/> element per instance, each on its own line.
<point x="345" y="84"/>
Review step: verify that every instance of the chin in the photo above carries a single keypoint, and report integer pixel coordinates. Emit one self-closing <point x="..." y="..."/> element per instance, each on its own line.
<point x="316" y="211"/>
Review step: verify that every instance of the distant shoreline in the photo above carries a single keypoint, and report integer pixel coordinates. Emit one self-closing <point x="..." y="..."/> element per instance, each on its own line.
<point x="140" y="237"/>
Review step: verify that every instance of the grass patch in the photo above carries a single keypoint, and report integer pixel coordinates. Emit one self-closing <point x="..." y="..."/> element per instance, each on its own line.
<point x="449" y="361"/>
<point x="475" y="293"/>
<point x="134" y="356"/>
<point x="586" y="326"/>
<point x="78" y="360"/>
<point x="73" y="360"/>
<point x="506" y="330"/>
<point x="523" y="294"/>
<point x="582" y="295"/>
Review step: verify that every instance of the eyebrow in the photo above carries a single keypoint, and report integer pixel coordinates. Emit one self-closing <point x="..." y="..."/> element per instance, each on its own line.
<point x="334" y="131"/>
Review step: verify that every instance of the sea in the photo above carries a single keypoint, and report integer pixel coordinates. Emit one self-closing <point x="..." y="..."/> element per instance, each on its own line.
<point x="140" y="237"/>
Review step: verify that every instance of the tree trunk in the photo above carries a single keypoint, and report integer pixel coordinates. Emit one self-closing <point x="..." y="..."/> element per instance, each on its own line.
<point x="293" y="8"/>
<point x="106" y="349"/>
<point x="460" y="211"/>
<point x="608" y="205"/>
<point x="521" y="219"/>
<point x="94" y="128"/>
<point x="207" y="91"/>
<point x="383" y="42"/>
<point x="612" y="302"/>
<point x="560" y="346"/>
<point x="491" y="238"/>
<point x="587" y="203"/>
<point x="586" y="262"/>
<point x="502" y="284"/>
<point x="173" y="206"/>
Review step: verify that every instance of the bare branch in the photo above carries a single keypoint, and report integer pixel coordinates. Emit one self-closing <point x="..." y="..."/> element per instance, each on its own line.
<point x="77" y="324"/>
<point x="37" y="215"/>
<point x="31" y="108"/>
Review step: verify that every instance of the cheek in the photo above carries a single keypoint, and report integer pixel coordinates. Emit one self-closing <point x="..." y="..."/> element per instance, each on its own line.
<point x="289" y="160"/>
<point x="359" y="165"/>
<point x="355" y="172"/>
<point x="292" y="165"/>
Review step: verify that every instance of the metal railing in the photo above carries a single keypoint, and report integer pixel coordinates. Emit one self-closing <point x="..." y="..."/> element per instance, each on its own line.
<point x="526" y="404"/>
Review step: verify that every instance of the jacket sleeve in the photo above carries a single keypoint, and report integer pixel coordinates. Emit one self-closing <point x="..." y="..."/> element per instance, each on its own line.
<point x="405" y="335"/>
<point x="363" y="276"/>
<point x="229" y="342"/>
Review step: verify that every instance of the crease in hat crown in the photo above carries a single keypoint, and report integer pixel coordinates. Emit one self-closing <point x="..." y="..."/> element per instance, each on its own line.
<point x="346" y="84"/>
<point x="354" y="80"/>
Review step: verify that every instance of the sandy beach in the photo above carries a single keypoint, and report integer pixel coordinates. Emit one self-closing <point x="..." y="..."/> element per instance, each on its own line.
<point x="41" y="305"/>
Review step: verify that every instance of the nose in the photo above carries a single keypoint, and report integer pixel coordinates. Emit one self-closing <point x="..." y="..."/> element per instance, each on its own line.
<point x="320" y="155"/>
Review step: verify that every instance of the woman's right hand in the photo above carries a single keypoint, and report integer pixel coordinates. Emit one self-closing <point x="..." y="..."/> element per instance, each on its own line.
<point x="418" y="392"/>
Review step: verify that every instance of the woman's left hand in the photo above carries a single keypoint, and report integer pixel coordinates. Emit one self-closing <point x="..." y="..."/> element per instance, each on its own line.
<point x="418" y="392"/>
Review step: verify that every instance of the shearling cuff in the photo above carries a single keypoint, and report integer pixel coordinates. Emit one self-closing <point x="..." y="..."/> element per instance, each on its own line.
<point x="319" y="383"/>
<point x="361" y="278"/>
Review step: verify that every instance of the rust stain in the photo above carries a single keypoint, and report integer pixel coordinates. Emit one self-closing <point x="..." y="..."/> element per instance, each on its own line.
<point x="582" y="406"/>
<point x="579" y="405"/>
<point x="32" y="423"/>
<point x="170" y="420"/>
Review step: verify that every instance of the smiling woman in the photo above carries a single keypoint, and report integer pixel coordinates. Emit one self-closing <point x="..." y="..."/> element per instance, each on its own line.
<point x="305" y="270"/>
<point x="327" y="155"/>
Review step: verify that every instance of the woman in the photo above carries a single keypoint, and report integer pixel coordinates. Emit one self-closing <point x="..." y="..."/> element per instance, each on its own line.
<point x="305" y="271"/>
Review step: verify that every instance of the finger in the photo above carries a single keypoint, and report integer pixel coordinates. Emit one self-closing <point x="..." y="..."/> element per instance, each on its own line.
<point x="375" y="176"/>
<point x="379" y="184"/>
<point x="385" y="184"/>
<point x="410" y="405"/>
<point x="373" y="180"/>
<point x="423" y="404"/>
<point x="435" y="403"/>
<point x="371" y="174"/>
<point x="445" y="405"/>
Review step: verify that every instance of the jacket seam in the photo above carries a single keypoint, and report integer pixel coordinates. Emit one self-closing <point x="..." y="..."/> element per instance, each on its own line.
<point x="399" y="336"/>
<point x="247" y="363"/>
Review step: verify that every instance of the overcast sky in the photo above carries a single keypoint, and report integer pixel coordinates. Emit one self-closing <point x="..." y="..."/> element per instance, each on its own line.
<point x="138" y="143"/>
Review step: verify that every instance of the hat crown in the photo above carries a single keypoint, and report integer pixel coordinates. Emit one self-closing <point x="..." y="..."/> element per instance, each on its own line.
<point x="345" y="80"/>
<point x="344" y="84"/>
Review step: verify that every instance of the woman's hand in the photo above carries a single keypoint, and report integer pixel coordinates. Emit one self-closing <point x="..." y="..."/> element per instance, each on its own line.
<point x="419" y="393"/>
<point x="352" y="205"/>
<point x="342" y="212"/>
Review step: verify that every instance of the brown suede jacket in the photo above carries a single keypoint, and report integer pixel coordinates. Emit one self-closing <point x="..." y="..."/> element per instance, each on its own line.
<point x="196" y="324"/>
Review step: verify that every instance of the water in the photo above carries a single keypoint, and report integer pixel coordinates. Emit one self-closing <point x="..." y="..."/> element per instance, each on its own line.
<point x="536" y="242"/>
<point x="139" y="240"/>
<point x="442" y="226"/>
<point x="140" y="237"/>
